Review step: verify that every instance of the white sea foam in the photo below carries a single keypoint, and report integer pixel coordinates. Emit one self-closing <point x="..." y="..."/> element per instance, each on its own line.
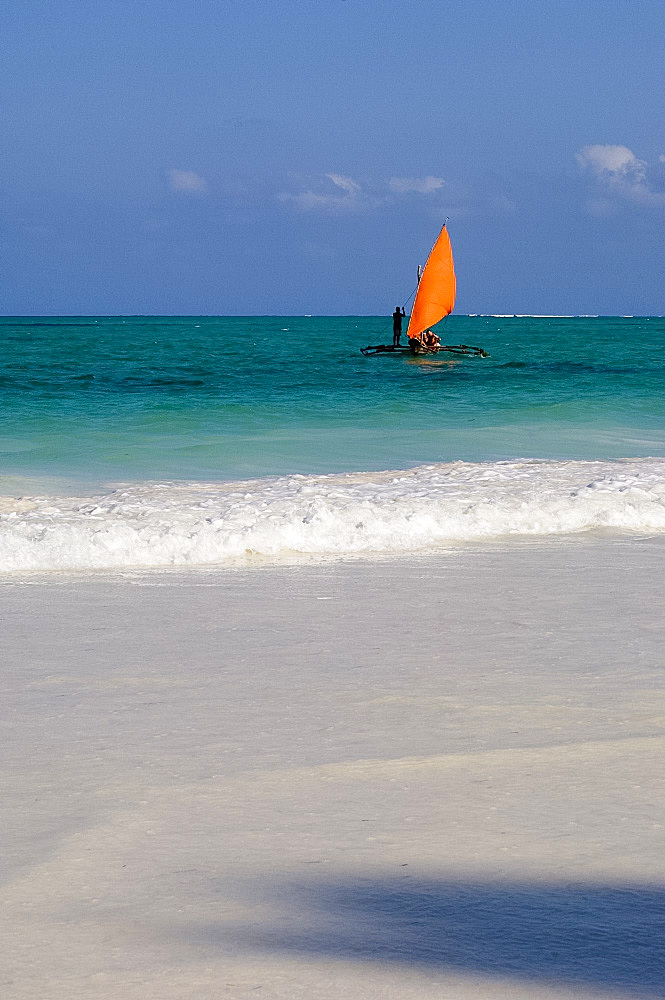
<point x="540" y="315"/>
<point x="384" y="513"/>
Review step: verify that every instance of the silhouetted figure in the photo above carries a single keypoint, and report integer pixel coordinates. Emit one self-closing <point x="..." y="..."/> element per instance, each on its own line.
<point x="397" y="325"/>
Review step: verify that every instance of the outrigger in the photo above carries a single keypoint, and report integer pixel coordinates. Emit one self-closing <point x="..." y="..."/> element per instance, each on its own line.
<point x="435" y="298"/>
<point x="464" y="349"/>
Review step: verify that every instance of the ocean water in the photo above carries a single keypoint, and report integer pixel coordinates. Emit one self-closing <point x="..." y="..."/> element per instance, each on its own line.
<point x="200" y="441"/>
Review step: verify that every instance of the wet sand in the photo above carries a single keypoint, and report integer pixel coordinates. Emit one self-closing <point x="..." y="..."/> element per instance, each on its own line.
<point x="436" y="777"/>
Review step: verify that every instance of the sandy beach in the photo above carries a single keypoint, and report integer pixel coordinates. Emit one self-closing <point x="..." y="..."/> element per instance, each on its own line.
<point x="434" y="777"/>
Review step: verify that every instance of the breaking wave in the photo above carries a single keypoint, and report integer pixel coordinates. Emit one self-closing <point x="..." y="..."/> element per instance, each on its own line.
<point x="371" y="514"/>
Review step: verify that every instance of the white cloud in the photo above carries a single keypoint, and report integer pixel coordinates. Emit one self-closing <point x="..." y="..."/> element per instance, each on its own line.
<point x="352" y="198"/>
<point x="346" y="184"/>
<point x="415" y="185"/>
<point x="620" y="172"/>
<point x="309" y="201"/>
<point x="614" y="162"/>
<point x="186" y="181"/>
<point x="349" y="195"/>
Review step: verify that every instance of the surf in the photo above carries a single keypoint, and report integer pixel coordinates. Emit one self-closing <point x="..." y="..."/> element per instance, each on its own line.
<point x="317" y="517"/>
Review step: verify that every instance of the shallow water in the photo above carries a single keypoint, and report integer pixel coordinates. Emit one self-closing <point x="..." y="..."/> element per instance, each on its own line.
<point x="124" y="436"/>
<point x="93" y="399"/>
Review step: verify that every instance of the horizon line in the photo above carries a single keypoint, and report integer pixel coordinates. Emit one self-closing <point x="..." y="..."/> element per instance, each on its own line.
<point x="178" y="315"/>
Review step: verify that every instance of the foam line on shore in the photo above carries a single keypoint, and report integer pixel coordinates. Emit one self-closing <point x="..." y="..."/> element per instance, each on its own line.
<point x="159" y="525"/>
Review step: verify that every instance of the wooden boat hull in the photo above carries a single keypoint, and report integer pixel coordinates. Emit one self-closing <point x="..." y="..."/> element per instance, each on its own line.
<point x="384" y="349"/>
<point x="416" y="349"/>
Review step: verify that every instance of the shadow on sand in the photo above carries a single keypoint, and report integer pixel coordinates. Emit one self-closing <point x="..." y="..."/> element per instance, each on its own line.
<point x="574" y="935"/>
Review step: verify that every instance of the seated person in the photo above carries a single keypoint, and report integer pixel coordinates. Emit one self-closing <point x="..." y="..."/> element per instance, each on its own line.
<point x="429" y="339"/>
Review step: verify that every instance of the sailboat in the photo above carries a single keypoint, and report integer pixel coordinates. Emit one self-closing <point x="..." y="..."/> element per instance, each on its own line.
<point x="435" y="299"/>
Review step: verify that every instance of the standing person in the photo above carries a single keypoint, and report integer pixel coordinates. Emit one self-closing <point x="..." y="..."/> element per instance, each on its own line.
<point x="397" y="325"/>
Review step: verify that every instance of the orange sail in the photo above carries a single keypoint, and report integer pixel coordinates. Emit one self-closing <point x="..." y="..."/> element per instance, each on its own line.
<point x="435" y="297"/>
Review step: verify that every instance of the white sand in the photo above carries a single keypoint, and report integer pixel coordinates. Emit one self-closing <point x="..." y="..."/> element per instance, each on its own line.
<point x="437" y="778"/>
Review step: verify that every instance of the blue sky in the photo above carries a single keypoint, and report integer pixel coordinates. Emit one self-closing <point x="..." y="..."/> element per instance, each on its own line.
<point x="209" y="157"/>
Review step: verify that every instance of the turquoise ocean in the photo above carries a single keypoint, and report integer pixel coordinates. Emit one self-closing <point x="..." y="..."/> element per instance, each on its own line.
<point x="161" y="441"/>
